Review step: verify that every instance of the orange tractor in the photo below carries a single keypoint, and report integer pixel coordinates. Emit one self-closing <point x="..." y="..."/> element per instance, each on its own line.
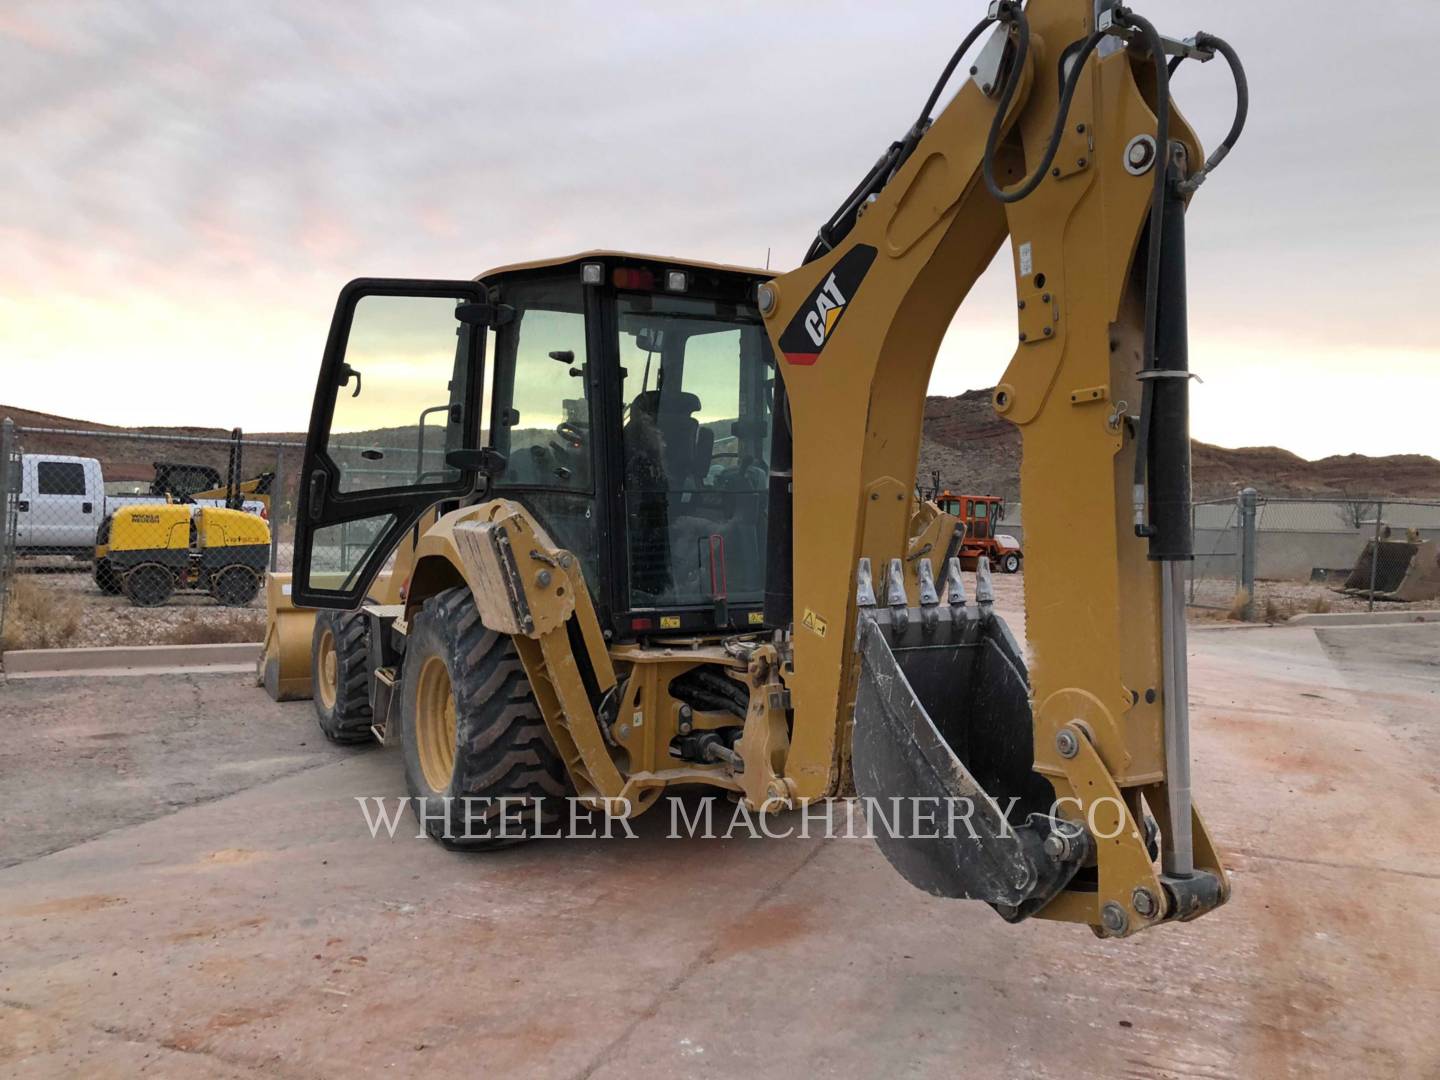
<point x="982" y="515"/>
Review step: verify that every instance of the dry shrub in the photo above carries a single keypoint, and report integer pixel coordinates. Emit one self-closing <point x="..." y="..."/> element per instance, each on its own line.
<point x="1320" y="605"/>
<point x="1273" y="613"/>
<point x="1239" y="604"/>
<point x="210" y="627"/>
<point x="38" y="616"/>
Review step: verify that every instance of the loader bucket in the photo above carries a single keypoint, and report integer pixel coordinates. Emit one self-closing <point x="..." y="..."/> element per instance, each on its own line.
<point x="942" y="748"/>
<point x="1399" y="570"/>
<point x="284" y="667"/>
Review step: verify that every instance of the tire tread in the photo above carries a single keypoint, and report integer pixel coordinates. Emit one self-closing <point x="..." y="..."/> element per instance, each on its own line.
<point x="504" y="749"/>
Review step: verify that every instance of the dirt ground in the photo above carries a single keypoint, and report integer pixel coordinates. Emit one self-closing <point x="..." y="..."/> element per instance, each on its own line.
<point x="1276" y="601"/>
<point x="192" y="891"/>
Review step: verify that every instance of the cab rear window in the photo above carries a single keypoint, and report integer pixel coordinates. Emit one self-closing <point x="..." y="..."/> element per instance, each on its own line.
<point x="60" y="478"/>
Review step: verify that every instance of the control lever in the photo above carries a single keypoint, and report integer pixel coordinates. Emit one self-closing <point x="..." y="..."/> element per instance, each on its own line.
<point x="719" y="590"/>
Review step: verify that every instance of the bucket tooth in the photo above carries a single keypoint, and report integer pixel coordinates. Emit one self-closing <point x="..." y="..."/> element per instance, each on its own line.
<point x="954" y="582"/>
<point x="929" y="598"/>
<point x="984" y="588"/>
<point x="864" y="585"/>
<point x="895" y="596"/>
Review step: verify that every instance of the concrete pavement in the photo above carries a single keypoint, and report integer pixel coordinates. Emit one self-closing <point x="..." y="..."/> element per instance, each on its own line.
<point x="264" y="932"/>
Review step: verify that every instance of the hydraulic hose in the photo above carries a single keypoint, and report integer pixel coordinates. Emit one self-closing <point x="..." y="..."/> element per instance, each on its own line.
<point x="934" y="98"/>
<point x="1242" y="109"/>
<point x="1013" y="14"/>
<point x="843" y="219"/>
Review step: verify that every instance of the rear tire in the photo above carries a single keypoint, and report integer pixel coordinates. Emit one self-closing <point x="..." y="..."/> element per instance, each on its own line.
<point x="471" y="729"/>
<point x="149" y="584"/>
<point x="234" y="585"/>
<point x="106" y="580"/>
<point x="340" y="667"/>
<point x="1010" y="563"/>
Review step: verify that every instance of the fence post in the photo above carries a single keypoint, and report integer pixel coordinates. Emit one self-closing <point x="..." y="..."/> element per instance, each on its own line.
<point x="1193" y="566"/>
<point x="9" y="493"/>
<point x="1375" y="553"/>
<point x="1249" y="497"/>
<point x="277" y="487"/>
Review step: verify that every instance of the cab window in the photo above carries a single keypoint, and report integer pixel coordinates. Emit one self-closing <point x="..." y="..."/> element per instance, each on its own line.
<point x="60" y="478"/>
<point x="542" y="414"/>
<point x="697" y="384"/>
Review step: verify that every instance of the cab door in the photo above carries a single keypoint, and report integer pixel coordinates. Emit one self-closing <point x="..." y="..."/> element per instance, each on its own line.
<point x="979" y="519"/>
<point x="399" y="396"/>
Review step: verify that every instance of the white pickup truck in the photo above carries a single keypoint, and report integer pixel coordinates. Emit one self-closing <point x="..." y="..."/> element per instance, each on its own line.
<point x="62" y="503"/>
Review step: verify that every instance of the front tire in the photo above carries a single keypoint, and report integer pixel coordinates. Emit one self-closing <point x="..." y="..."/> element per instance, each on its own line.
<point x="1010" y="563"/>
<point x="471" y="729"/>
<point x="340" y="666"/>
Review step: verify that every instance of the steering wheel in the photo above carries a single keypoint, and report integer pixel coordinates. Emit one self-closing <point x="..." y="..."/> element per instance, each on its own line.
<point x="571" y="433"/>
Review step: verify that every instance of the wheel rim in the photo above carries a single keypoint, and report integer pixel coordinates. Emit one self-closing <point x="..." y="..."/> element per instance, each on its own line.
<point x="435" y="729"/>
<point x="325" y="673"/>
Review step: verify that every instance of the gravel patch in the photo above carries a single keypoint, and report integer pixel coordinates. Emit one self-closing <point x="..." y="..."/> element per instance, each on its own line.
<point x="187" y="618"/>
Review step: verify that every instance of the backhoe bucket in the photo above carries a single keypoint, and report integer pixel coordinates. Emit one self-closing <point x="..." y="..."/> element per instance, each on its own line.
<point x="942" y="748"/>
<point x="1396" y="570"/>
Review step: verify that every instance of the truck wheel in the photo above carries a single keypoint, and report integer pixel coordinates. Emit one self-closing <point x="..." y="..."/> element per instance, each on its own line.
<point x="234" y="586"/>
<point x="340" y="666"/>
<point x="1010" y="563"/>
<point x="471" y="729"/>
<point x="149" y="584"/>
<point x="106" y="579"/>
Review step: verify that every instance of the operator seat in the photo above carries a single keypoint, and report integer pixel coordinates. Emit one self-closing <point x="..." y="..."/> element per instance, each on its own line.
<point x="672" y="412"/>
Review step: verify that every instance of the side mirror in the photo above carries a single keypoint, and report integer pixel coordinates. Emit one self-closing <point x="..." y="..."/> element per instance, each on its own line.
<point x="487" y="461"/>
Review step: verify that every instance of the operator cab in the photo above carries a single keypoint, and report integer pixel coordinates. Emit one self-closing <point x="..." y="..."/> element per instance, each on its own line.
<point x="980" y="513"/>
<point x="627" y="399"/>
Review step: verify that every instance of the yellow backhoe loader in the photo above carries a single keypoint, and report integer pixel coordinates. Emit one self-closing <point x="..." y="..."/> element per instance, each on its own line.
<point x="660" y="530"/>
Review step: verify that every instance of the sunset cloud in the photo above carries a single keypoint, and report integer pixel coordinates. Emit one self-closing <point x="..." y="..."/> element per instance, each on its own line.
<point x="188" y="185"/>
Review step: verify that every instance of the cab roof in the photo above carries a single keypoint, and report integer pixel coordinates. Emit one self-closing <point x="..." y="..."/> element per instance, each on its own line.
<point x="602" y="254"/>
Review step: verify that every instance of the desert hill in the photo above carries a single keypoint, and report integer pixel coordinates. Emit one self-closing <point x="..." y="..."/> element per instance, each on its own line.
<point x="971" y="447"/>
<point x="976" y="451"/>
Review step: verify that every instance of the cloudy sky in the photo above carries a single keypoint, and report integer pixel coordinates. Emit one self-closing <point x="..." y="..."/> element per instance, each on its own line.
<point x="186" y="186"/>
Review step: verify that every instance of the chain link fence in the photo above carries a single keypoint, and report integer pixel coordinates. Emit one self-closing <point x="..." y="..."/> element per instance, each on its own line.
<point x="1269" y="558"/>
<point x="139" y="537"/>
<point x="1214" y="575"/>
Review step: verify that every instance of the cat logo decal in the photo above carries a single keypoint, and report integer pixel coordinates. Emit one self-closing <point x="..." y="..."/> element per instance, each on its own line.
<point x="815" y="323"/>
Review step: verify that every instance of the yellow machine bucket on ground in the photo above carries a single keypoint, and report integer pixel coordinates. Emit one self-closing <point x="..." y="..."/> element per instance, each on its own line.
<point x="284" y="668"/>
<point x="1396" y="570"/>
